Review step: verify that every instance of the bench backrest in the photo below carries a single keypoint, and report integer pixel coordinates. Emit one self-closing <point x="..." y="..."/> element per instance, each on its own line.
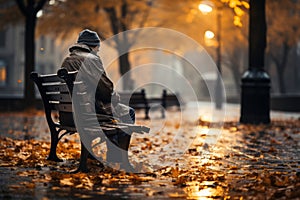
<point x="56" y="98"/>
<point x="134" y="98"/>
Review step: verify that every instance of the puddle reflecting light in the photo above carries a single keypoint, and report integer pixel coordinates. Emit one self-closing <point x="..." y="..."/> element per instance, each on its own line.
<point x="203" y="194"/>
<point x="207" y="192"/>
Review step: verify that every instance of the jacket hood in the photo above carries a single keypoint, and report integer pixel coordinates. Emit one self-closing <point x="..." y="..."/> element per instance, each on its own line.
<point x="80" y="47"/>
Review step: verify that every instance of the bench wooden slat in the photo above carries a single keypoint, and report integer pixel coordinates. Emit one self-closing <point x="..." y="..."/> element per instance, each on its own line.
<point x="64" y="107"/>
<point x="49" y="78"/>
<point x="63" y="98"/>
<point x="56" y="87"/>
<point x="109" y="131"/>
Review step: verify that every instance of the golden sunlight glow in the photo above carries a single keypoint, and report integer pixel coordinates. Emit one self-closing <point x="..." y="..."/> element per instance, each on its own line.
<point x="209" y="34"/>
<point x="207" y="192"/>
<point x="202" y="191"/>
<point x="205" y="8"/>
<point x="193" y="190"/>
<point x="191" y="15"/>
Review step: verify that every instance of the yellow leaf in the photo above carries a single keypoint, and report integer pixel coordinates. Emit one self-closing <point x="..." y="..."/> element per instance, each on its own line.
<point x="233" y="129"/>
<point x="232" y="4"/>
<point x="30" y="185"/>
<point x="23" y="157"/>
<point x="237" y="21"/>
<point x="66" y="181"/>
<point x="238" y="11"/>
<point x="111" y="189"/>
<point x="246" y="4"/>
<point x="267" y="181"/>
<point x="176" y="195"/>
<point x="281" y="182"/>
<point x="175" y="172"/>
<point x="15" y="186"/>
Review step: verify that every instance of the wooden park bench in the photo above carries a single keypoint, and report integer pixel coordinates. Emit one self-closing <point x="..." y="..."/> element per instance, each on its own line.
<point x="136" y="100"/>
<point x="57" y="100"/>
<point x="171" y="100"/>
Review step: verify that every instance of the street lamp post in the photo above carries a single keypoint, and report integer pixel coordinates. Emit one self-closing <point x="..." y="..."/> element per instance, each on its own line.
<point x="207" y="7"/>
<point x="255" y="95"/>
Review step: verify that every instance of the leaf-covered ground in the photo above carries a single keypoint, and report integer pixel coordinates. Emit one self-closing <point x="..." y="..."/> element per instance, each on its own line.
<point x="238" y="162"/>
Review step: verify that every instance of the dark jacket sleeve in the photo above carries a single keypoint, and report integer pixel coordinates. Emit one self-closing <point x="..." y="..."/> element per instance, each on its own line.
<point x="105" y="89"/>
<point x="95" y="72"/>
<point x="91" y="71"/>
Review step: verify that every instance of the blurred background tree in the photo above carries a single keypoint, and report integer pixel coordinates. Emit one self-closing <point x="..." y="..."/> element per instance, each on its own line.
<point x="110" y="17"/>
<point x="11" y="12"/>
<point x="283" y="19"/>
<point x="107" y="17"/>
<point x="65" y="18"/>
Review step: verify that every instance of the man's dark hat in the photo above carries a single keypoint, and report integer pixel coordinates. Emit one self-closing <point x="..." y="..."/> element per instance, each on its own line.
<point x="89" y="38"/>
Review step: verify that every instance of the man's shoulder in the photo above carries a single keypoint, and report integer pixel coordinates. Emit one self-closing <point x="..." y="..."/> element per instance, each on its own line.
<point x="91" y="56"/>
<point x="80" y="48"/>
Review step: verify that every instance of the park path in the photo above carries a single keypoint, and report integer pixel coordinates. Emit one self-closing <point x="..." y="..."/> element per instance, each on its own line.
<point x="188" y="155"/>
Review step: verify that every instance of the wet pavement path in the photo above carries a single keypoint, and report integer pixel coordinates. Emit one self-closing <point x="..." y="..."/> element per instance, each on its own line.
<point x="236" y="162"/>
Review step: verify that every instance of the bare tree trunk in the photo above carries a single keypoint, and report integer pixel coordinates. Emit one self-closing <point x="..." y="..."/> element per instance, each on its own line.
<point x="235" y="66"/>
<point x="281" y="81"/>
<point x="29" y="95"/>
<point x="122" y="45"/>
<point x="280" y="67"/>
<point x="29" y="11"/>
<point x="124" y="68"/>
<point x="236" y="77"/>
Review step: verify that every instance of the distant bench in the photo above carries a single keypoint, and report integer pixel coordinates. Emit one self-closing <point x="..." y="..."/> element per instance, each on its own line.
<point x="57" y="98"/>
<point x="170" y="100"/>
<point x="136" y="100"/>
